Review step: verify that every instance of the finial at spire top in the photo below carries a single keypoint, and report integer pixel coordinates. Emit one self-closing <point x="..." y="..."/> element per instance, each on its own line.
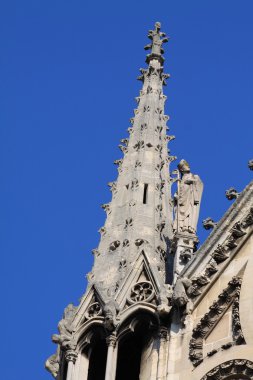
<point x="158" y="38"/>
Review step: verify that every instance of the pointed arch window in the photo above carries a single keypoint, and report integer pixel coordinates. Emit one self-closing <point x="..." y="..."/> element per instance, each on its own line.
<point x="137" y="335"/>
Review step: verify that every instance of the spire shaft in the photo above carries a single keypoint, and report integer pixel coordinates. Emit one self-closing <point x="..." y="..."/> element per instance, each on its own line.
<point x="139" y="216"/>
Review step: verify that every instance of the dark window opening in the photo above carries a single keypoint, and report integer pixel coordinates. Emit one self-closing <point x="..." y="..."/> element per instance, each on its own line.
<point x="97" y="362"/>
<point x="131" y="348"/>
<point x="145" y="194"/>
<point x="65" y="370"/>
<point x="127" y="186"/>
<point x="129" y="358"/>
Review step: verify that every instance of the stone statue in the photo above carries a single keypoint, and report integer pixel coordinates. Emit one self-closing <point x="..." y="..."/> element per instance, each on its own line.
<point x="187" y="200"/>
<point x="180" y="297"/>
<point x="52" y="364"/>
<point x="65" y="338"/>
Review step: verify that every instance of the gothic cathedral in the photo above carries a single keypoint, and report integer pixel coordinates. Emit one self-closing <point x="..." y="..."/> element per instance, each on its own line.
<point x="157" y="306"/>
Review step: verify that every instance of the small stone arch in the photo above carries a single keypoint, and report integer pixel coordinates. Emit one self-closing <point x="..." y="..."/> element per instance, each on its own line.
<point x="134" y="335"/>
<point x="237" y="369"/>
<point x="91" y="345"/>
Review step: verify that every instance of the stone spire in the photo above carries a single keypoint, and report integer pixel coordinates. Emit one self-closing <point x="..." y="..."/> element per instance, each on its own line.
<point x="139" y="216"/>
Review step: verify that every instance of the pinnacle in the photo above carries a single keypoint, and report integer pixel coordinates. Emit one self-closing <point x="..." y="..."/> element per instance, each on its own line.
<point x="158" y="38"/>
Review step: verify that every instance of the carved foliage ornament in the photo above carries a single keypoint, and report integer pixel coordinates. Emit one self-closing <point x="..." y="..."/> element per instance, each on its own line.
<point x="222" y="253"/>
<point x="235" y="367"/>
<point x="142" y="291"/>
<point x="232" y="194"/>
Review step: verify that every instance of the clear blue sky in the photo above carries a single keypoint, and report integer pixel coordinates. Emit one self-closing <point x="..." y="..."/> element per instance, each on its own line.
<point x="68" y="79"/>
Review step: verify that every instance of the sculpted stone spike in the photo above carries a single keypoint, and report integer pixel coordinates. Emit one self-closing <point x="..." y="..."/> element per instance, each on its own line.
<point x="159" y="148"/>
<point x="208" y="223"/>
<point x="102" y="231"/>
<point x="171" y="158"/>
<point x="95" y="252"/>
<point x="123" y="148"/>
<point x="143" y="75"/>
<point x="232" y="194"/>
<point x="125" y="141"/>
<point x="158" y="129"/>
<point x="160" y="226"/>
<point x="114" y="245"/>
<point x="128" y="223"/>
<point x="106" y="207"/>
<point x="143" y="127"/>
<point x="139" y="242"/>
<point x="139" y="145"/>
<point x="135" y="184"/>
<point x="112" y="185"/>
<point x="164" y="77"/>
<point x="118" y="162"/>
<point x="250" y="164"/>
<point x="170" y="137"/>
<point x="126" y="243"/>
<point x="187" y="200"/>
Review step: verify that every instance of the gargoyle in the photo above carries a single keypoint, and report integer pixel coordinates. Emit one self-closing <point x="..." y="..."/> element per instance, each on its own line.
<point x="180" y="297"/>
<point x="110" y="310"/>
<point x="165" y="306"/>
<point x="65" y="338"/>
